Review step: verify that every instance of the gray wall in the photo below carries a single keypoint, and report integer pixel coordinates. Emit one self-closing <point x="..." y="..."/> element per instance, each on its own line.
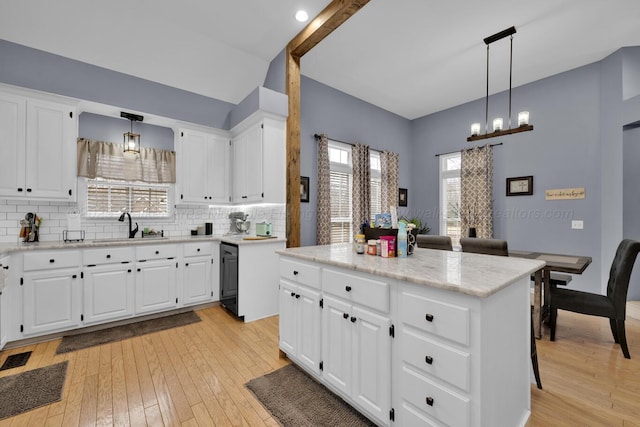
<point x="276" y="74"/>
<point x="631" y="202"/>
<point x="36" y="69"/>
<point x="111" y="129"/>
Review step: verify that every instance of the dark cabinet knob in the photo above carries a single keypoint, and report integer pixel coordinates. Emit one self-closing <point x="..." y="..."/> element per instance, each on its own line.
<point x="347" y="288"/>
<point x="20" y="190"/>
<point x="353" y="320"/>
<point x="52" y="260"/>
<point x="186" y="264"/>
<point x="198" y="250"/>
<point x="430" y="401"/>
<point x="295" y="272"/>
<point x="429" y="317"/>
<point x="293" y="294"/>
<point x="297" y="296"/>
<point x="28" y="190"/>
<point x="205" y="197"/>
<point x="108" y="256"/>
<point x="157" y="252"/>
<point x="428" y="360"/>
<point x="345" y="315"/>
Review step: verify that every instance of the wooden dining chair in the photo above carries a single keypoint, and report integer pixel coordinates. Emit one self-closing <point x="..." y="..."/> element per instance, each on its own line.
<point x="612" y="305"/>
<point x="501" y="248"/>
<point x="442" y="243"/>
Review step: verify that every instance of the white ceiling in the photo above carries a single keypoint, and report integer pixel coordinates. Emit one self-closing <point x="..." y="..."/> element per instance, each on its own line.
<point x="410" y="57"/>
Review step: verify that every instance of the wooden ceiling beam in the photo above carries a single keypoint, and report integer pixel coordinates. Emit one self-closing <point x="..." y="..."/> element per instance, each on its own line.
<point x="334" y="15"/>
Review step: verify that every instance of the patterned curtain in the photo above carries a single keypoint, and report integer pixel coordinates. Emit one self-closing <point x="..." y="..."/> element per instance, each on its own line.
<point x="323" y="208"/>
<point x="361" y="192"/>
<point x="476" y="188"/>
<point x="389" y="162"/>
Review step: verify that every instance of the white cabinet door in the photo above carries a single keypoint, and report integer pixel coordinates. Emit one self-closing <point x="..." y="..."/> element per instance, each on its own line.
<point x="309" y="324"/>
<point x="51" y="147"/>
<point x="336" y="344"/>
<point x="52" y="301"/>
<point x="194" y="161"/>
<point x="196" y="280"/>
<point x="218" y="171"/>
<point x="12" y="137"/>
<point x="247" y="165"/>
<point x="288" y="320"/>
<point x="155" y="286"/>
<point x="372" y="362"/>
<point x="108" y="293"/>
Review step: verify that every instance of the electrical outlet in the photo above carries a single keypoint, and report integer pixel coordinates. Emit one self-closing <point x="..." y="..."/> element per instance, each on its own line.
<point x="577" y="225"/>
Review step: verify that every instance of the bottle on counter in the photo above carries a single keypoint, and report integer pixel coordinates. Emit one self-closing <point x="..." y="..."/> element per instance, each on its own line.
<point x="402" y="240"/>
<point x="371" y="247"/>
<point x="360" y="243"/>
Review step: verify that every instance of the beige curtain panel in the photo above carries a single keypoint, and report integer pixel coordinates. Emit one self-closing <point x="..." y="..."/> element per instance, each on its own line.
<point x="101" y="159"/>
<point x="323" y="218"/>
<point x="476" y="189"/>
<point x="389" y="170"/>
<point x="361" y="193"/>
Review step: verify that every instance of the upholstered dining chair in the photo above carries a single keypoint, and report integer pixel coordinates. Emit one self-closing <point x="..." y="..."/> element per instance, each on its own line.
<point x="612" y="305"/>
<point x="428" y="241"/>
<point x="500" y="248"/>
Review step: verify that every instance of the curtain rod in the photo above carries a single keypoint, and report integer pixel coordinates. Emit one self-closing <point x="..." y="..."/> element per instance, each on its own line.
<point x="471" y="148"/>
<point x="317" y="137"/>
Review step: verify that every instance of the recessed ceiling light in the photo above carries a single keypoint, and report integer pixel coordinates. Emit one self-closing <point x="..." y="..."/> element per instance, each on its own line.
<point x="302" y="16"/>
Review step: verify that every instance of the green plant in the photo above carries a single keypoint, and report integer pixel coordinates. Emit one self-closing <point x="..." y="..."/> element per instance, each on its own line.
<point x="418" y="223"/>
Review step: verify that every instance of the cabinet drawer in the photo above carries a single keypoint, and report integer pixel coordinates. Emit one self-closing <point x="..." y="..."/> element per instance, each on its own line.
<point x="145" y="252"/>
<point x="101" y="256"/>
<point x="299" y="272"/>
<point x="437" y="402"/>
<point x="45" y="260"/>
<point x="198" y="249"/>
<point x="359" y="290"/>
<point x="439" y="318"/>
<point x="436" y="359"/>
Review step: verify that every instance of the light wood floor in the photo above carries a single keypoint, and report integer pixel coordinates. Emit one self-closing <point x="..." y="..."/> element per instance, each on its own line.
<point x="195" y="376"/>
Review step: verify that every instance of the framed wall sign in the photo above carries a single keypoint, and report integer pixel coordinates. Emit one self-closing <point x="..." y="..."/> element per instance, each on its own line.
<point x="304" y="189"/>
<point x="402" y="196"/>
<point x="520" y="186"/>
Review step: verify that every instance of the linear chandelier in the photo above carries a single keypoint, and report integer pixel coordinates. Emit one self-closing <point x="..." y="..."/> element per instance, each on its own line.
<point x="523" y="116"/>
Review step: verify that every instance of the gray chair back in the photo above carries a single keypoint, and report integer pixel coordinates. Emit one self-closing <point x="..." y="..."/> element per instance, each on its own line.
<point x="442" y="243"/>
<point x="484" y="246"/>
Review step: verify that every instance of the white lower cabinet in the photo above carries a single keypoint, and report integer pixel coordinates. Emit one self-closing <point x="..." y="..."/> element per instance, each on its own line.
<point x="356" y="355"/>
<point x="52" y="300"/>
<point x="108" y="293"/>
<point x="300" y="315"/>
<point x="156" y="286"/>
<point x="197" y="273"/>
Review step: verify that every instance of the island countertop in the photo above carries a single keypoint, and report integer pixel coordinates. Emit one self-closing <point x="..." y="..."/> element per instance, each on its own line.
<point x="466" y="273"/>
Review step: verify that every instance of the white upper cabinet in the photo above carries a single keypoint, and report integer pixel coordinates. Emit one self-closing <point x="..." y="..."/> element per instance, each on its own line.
<point x="258" y="159"/>
<point x="204" y="167"/>
<point x="38" y="142"/>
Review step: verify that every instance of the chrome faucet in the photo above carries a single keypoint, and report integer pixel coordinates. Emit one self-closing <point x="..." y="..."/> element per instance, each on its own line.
<point x="132" y="233"/>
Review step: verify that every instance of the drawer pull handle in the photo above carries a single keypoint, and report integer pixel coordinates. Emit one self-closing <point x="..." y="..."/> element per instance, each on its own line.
<point x="293" y="294"/>
<point x="345" y="315"/>
<point x="353" y="319"/>
<point x="157" y="252"/>
<point x="52" y="260"/>
<point x="347" y="288"/>
<point x="428" y="360"/>
<point x="430" y="401"/>
<point x="186" y="264"/>
<point x="429" y="317"/>
<point x="297" y="296"/>
<point x="295" y="272"/>
<point x="108" y="256"/>
<point x="198" y="250"/>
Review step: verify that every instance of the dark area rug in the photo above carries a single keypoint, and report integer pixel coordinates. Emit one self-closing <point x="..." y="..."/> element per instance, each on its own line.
<point x="117" y="333"/>
<point x="16" y="360"/>
<point x="31" y="389"/>
<point x="296" y="400"/>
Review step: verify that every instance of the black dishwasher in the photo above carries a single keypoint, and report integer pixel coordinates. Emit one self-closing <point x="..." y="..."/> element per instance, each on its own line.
<point x="229" y="277"/>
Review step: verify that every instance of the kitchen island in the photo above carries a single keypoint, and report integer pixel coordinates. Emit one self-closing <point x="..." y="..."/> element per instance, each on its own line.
<point x="438" y="338"/>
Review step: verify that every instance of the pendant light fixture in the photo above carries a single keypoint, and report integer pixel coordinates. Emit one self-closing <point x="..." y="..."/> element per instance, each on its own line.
<point x="523" y="116"/>
<point x="131" y="140"/>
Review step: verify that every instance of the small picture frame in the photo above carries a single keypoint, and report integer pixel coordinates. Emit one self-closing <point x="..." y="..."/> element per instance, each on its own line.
<point x="304" y="189"/>
<point x="520" y="186"/>
<point x="402" y="196"/>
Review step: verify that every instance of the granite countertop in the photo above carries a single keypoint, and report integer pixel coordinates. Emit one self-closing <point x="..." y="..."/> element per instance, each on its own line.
<point x="6" y="248"/>
<point x="466" y="273"/>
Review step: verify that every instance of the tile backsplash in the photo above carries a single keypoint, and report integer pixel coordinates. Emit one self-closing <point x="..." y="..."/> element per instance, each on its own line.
<point x="185" y="218"/>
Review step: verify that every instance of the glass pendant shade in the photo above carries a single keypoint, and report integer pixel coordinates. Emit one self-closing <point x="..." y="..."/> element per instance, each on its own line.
<point x="131" y="142"/>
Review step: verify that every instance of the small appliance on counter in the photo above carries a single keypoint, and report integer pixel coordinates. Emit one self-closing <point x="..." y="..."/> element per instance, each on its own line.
<point x="30" y="227"/>
<point x="239" y="223"/>
<point x="264" y="229"/>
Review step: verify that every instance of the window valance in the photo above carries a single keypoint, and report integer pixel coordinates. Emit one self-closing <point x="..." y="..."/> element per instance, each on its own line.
<point x="101" y="159"/>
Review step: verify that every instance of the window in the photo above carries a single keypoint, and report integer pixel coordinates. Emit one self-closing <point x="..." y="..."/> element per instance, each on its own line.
<point x="450" y="196"/>
<point x="341" y="181"/>
<point x="109" y="198"/>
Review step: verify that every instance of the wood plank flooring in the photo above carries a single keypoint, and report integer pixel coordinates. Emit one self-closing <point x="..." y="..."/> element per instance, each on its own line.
<point x="195" y="375"/>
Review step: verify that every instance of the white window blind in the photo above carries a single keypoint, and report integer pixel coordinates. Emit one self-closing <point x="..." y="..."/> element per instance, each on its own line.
<point x="450" y="197"/>
<point x="111" y="198"/>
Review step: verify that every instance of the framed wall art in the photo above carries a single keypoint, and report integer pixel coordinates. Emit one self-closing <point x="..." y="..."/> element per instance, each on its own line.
<point x="520" y="186"/>
<point x="304" y="189"/>
<point x="402" y="196"/>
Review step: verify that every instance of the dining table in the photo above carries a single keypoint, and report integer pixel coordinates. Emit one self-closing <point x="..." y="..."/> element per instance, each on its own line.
<point x="563" y="263"/>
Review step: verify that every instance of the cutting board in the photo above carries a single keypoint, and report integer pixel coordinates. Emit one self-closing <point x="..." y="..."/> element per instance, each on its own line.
<point x="259" y="237"/>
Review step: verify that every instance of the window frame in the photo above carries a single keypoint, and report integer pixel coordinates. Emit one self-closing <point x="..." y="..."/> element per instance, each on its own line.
<point x="446" y="174"/>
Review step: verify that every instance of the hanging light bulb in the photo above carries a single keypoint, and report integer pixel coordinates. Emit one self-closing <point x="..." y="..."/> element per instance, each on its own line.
<point x="131" y="140"/>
